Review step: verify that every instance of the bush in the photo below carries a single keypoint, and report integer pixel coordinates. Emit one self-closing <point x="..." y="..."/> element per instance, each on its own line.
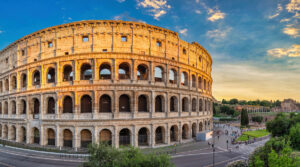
<point x="106" y="156"/>
<point x="257" y="119"/>
<point x="295" y="136"/>
<point x="238" y="163"/>
<point x="279" y="126"/>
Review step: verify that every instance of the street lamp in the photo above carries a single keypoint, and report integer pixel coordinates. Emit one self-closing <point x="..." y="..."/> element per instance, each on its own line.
<point x="227" y="144"/>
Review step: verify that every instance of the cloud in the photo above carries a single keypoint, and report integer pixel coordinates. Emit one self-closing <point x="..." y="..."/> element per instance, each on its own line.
<point x="291" y="31"/>
<point x="1" y="31"/>
<point x="157" y="8"/>
<point x="183" y="31"/>
<point x="278" y="11"/>
<point x="197" y="11"/>
<point x="293" y="6"/>
<point x="218" y="34"/>
<point x="284" y="20"/>
<point x="125" y="16"/>
<point x="121" y="1"/>
<point x="293" y="51"/>
<point x="217" y="15"/>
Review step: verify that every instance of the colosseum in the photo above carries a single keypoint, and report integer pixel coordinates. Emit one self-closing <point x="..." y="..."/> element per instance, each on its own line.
<point x="126" y="83"/>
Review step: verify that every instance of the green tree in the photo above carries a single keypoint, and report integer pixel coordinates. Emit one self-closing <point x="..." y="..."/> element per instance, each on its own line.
<point x="224" y="101"/>
<point x="233" y="101"/>
<point x="257" y="119"/>
<point x="282" y="159"/>
<point x="295" y="136"/>
<point x="103" y="155"/>
<point x="244" y="118"/>
<point x="279" y="126"/>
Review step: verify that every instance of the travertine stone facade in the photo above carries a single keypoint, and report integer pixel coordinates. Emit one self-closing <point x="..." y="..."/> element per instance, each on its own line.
<point x="116" y="81"/>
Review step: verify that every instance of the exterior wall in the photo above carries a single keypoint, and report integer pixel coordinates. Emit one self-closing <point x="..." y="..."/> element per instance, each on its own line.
<point x="33" y="53"/>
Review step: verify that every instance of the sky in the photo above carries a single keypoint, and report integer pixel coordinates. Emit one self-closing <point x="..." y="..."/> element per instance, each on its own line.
<point x="255" y="44"/>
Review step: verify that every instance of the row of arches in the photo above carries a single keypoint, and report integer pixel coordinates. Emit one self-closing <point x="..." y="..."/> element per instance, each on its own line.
<point x="125" y="135"/>
<point x="106" y="104"/>
<point x="105" y="72"/>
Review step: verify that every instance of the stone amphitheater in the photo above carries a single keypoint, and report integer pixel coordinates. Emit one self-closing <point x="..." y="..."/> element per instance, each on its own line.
<point x="125" y="83"/>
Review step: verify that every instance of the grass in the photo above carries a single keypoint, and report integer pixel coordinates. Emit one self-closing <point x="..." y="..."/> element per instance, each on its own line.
<point x="253" y="134"/>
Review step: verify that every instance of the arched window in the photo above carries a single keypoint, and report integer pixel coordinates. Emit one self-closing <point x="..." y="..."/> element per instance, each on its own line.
<point x="23" y="134"/>
<point x="36" y="78"/>
<point x="105" y="103"/>
<point x="200" y="105"/>
<point x="185" y="131"/>
<point x="6" y="85"/>
<point x="86" y="138"/>
<point x="124" y="137"/>
<point x="124" y="71"/>
<point x="173" y="104"/>
<point x="1" y="87"/>
<point x="158" y="104"/>
<point x="6" y="107"/>
<point x="68" y="73"/>
<point x="67" y="105"/>
<point x="185" y="104"/>
<point x="199" y="83"/>
<point x="36" y="136"/>
<point x="174" y="133"/>
<point x="23" y="106"/>
<point x="158" y="74"/>
<point x="204" y="84"/>
<point x="86" y="72"/>
<point x="142" y="72"/>
<point x="194" y="104"/>
<point x="86" y="104"/>
<point x="13" y="133"/>
<point x="5" y="132"/>
<point x="143" y="137"/>
<point x="24" y="80"/>
<point x="0" y="110"/>
<point x="193" y="81"/>
<point x="124" y="103"/>
<point x="159" y="135"/>
<point x="184" y="79"/>
<point x="36" y="106"/>
<point x="51" y="75"/>
<point x="142" y="103"/>
<point x="106" y="136"/>
<point x="172" y="76"/>
<point x="51" y="106"/>
<point x="51" y="137"/>
<point x="194" y="131"/>
<point x="14" y="82"/>
<point x="105" y="71"/>
<point x="13" y="107"/>
<point x="68" y="138"/>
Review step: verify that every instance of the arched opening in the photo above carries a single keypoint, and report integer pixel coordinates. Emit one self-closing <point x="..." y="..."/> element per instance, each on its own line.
<point x="204" y="84"/>
<point x="6" y="84"/>
<point x="194" y="105"/>
<point x="23" y="134"/>
<point x="173" y="104"/>
<point x="51" y="75"/>
<point x="14" y="82"/>
<point x="36" y="106"/>
<point x="23" y="106"/>
<point x="205" y="125"/>
<point x="36" y="136"/>
<point x="13" y="133"/>
<point x="86" y="138"/>
<point x="200" y="127"/>
<point x="51" y="137"/>
<point x="1" y="87"/>
<point x="86" y="72"/>
<point x="193" y="81"/>
<point x="106" y="136"/>
<point x="142" y="72"/>
<point x="143" y="137"/>
<point x="6" y="107"/>
<point x="185" y="131"/>
<point x="159" y="104"/>
<point x="36" y="78"/>
<point x="124" y="137"/>
<point x="124" y="71"/>
<point x="68" y="73"/>
<point x="5" y="132"/>
<point x="142" y="104"/>
<point x="124" y="103"/>
<point x="200" y="105"/>
<point x="185" y="104"/>
<point x="24" y="80"/>
<point x="205" y="105"/>
<point x="184" y="79"/>
<point x="199" y="82"/>
<point x="0" y="131"/>
<point x="105" y="103"/>
<point x="0" y="107"/>
<point x="158" y="74"/>
<point x="86" y="104"/>
<point x="13" y="107"/>
<point x="194" y="131"/>
<point x="172" y="76"/>
<point x="159" y="135"/>
<point x="68" y="138"/>
<point x="67" y="105"/>
<point x="51" y="106"/>
<point x="105" y="71"/>
<point x="174" y="133"/>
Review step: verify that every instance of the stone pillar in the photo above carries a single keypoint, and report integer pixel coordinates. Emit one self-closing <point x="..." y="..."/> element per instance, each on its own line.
<point x="180" y="132"/>
<point x="151" y="72"/>
<point x="152" y="104"/>
<point x="135" y="136"/>
<point x="113" y="77"/>
<point x="166" y="75"/>
<point x="167" y="104"/>
<point x="57" y="140"/>
<point x="116" y="136"/>
<point x="28" y="134"/>
<point x="96" y="135"/>
<point x="115" y="104"/>
<point x="168" y="134"/>
<point x="42" y="136"/>
<point x="134" y="104"/>
<point x="133" y="76"/>
<point x="42" y="108"/>
<point x="179" y="105"/>
<point x="178" y="77"/>
<point x="76" y="138"/>
<point x="152" y="136"/>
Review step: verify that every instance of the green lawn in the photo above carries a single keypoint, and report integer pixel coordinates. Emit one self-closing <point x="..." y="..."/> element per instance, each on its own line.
<point x="252" y="134"/>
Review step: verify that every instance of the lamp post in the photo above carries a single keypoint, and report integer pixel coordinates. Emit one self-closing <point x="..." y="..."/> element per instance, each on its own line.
<point x="227" y="144"/>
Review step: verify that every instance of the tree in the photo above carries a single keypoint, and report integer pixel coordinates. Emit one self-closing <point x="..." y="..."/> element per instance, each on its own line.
<point x="257" y="119"/>
<point x="106" y="156"/>
<point x="295" y="136"/>
<point x="279" y="126"/>
<point x="244" y="118"/>
<point x="224" y="101"/>
<point x="233" y="101"/>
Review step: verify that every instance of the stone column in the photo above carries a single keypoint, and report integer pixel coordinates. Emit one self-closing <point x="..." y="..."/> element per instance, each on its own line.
<point x="180" y="132"/>
<point x="57" y="140"/>
<point x="151" y="73"/>
<point x="113" y="77"/>
<point x="133" y="76"/>
<point x="178" y="77"/>
<point x="152" y="136"/>
<point x="28" y="134"/>
<point x="76" y="138"/>
<point x="134" y="136"/>
<point x="42" y="136"/>
<point x="152" y="104"/>
<point x="168" y="134"/>
<point x="116" y="136"/>
<point x="179" y="105"/>
<point x="167" y="104"/>
<point x="42" y="108"/>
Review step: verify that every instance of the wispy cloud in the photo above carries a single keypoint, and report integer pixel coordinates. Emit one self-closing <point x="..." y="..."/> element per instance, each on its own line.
<point x="293" y="51"/>
<point x="218" y="34"/>
<point x="291" y="31"/>
<point x="121" y="1"/>
<point x="277" y="13"/>
<point x="293" y="6"/>
<point x="198" y="11"/>
<point x="216" y="15"/>
<point x="1" y="31"/>
<point x="127" y="17"/>
<point x="183" y="31"/>
<point x="157" y="8"/>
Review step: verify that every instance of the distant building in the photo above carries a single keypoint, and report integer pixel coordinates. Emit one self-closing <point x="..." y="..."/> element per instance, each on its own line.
<point x="289" y="105"/>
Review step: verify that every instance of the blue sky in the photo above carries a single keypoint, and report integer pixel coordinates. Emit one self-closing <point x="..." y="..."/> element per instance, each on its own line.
<point x="254" y="43"/>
